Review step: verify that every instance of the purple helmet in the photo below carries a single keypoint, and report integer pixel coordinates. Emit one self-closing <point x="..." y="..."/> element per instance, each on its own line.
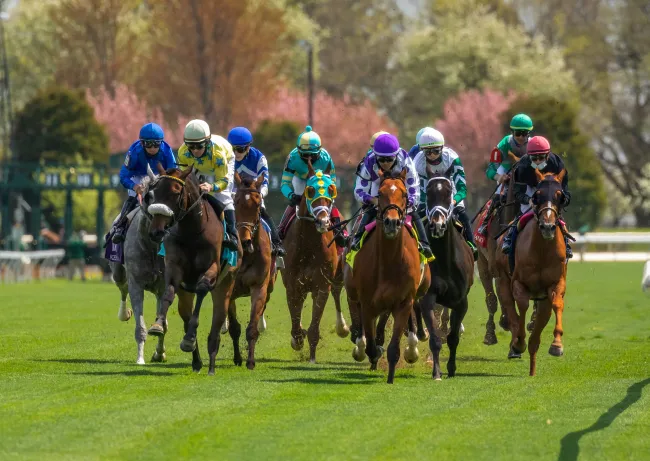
<point x="386" y="145"/>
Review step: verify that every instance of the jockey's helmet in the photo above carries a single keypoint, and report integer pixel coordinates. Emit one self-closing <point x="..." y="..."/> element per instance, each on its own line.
<point x="419" y="135"/>
<point x="308" y="143"/>
<point x="151" y="132"/>
<point x="240" y="136"/>
<point x="196" y="131"/>
<point x="431" y="138"/>
<point x="386" y="145"/>
<point x="521" y="122"/>
<point x="375" y="136"/>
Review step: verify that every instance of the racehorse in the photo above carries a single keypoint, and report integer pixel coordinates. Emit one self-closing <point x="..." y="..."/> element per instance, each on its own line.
<point x="505" y="213"/>
<point x="193" y="234"/>
<point x="257" y="275"/>
<point x="386" y="275"/>
<point x="452" y="272"/>
<point x="142" y="270"/>
<point x="311" y="262"/>
<point x="539" y="272"/>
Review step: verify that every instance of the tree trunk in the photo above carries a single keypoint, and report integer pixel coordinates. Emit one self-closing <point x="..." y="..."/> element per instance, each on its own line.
<point x="642" y="216"/>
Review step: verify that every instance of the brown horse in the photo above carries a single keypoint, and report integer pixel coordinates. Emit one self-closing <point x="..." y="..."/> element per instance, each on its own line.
<point x="505" y="213"/>
<point x="387" y="275"/>
<point x="256" y="277"/>
<point x="311" y="262"/>
<point x="193" y="235"/>
<point x="539" y="272"/>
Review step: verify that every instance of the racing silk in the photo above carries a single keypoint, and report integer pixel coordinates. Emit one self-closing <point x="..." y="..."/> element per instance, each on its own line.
<point x="218" y="160"/>
<point x="526" y="180"/>
<point x="448" y="164"/>
<point x="414" y="151"/>
<point x="137" y="159"/>
<point x="507" y="144"/>
<point x="367" y="183"/>
<point x="297" y="167"/>
<point x="254" y="165"/>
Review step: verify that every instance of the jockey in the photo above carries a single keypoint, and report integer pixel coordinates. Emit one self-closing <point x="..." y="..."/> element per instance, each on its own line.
<point x="211" y="154"/>
<point x="250" y="161"/>
<point x="294" y="177"/>
<point x="416" y="148"/>
<point x="540" y="158"/>
<point x="389" y="156"/>
<point x="435" y="156"/>
<point x="146" y="151"/>
<point x="500" y="162"/>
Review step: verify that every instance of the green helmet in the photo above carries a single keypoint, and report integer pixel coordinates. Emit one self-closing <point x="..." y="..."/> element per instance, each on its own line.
<point x="521" y="122"/>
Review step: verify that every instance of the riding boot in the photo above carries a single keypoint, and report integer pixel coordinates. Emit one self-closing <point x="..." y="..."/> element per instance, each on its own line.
<point x="120" y="226"/>
<point x="509" y="245"/>
<point x="569" y="252"/>
<point x="467" y="231"/>
<point x="231" y="231"/>
<point x="278" y="249"/>
<point x="422" y="235"/>
<point x="366" y="219"/>
<point x="484" y="225"/>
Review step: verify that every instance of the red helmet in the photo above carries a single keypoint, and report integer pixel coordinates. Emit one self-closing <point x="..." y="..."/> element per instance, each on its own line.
<point x="538" y="145"/>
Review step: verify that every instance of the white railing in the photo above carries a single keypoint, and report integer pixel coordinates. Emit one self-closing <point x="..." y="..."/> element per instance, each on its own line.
<point x="22" y="266"/>
<point x="613" y="241"/>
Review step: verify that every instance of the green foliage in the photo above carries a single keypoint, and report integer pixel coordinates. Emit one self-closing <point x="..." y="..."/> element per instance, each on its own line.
<point x="276" y="139"/>
<point x="84" y="208"/>
<point x="558" y="122"/>
<point x="58" y="124"/>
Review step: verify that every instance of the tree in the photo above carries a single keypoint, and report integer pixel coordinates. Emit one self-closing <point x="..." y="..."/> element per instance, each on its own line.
<point x="345" y="128"/>
<point x="558" y="121"/>
<point x="58" y="124"/>
<point x="276" y="138"/>
<point x="473" y="134"/>
<point x="472" y="50"/>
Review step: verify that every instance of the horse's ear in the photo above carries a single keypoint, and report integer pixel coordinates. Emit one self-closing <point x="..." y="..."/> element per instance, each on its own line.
<point x="403" y="173"/>
<point x="187" y="172"/>
<point x="258" y="182"/>
<point x="237" y="179"/>
<point x="150" y="172"/>
<point x="332" y="191"/>
<point x="310" y="168"/>
<point x="160" y="168"/>
<point x="310" y="192"/>
<point x="539" y="175"/>
<point x="560" y="177"/>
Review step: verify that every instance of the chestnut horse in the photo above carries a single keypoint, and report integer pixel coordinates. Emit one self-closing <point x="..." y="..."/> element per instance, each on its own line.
<point x="386" y="276"/>
<point x="311" y="262"/>
<point x="539" y="272"/>
<point x="193" y="235"/>
<point x="256" y="276"/>
<point x="452" y="272"/>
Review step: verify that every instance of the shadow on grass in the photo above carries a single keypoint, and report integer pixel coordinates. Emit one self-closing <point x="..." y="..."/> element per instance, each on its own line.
<point x="343" y="378"/>
<point x="82" y="361"/>
<point x="476" y="358"/>
<point x="570" y="443"/>
<point x="126" y="373"/>
<point x="315" y="367"/>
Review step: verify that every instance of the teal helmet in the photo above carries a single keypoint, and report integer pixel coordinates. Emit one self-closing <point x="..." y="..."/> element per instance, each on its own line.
<point x="308" y="143"/>
<point x="521" y="122"/>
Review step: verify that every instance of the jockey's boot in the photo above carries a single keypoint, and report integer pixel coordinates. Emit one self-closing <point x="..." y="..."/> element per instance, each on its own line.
<point x="467" y="232"/>
<point x="278" y="249"/>
<point x="120" y="226"/>
<point x="367" y="217"/>
<point x="569" y="251"/>
<point x="484" y="225"/>
<point x="422" y="235"/>
<point x="231" y="232"/>
<point x="509" y="239"/>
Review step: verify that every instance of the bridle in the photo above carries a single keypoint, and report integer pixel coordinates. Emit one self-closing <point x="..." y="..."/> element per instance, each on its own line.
<point x="251" y="226"/>
<point x="444" y="211"/>
<point x="392" y="206"/>
<point x="182" y="195"/>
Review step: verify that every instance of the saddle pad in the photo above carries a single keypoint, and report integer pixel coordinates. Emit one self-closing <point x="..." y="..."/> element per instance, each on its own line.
<point x="114" y="252"/>
<point x="478" y="237"/>
<point x="524" y="220"/>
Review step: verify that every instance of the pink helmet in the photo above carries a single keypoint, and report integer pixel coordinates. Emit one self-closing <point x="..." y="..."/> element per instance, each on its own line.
<point x="538" y="145"/>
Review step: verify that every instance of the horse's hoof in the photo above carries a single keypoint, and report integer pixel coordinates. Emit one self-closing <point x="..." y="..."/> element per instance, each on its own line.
<point x="358" y="354"/>
<point x="124" y="314"/>
<point x="261" y="325"/>
<point x="211" y="373"/>
<point x="159" y="358"/>
<point x="188" y="345"/>
<point x="342" y="330"/>
<point x="297" y="345"/>
<point x="411" y="354"/>
<point x="156" y="330"/>
<point x="196" y="367"/>
<point x="250" y="364"/>
<point x="238" y="361"/>
<point x="556" y="351"/>
<point x="490" y="339"/>
<point x="423" y="336"/>
<point x="514" y="354"/>
<point x="140" y="361"/>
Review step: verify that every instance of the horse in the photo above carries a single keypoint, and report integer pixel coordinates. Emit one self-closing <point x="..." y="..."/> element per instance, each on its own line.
<point x="142" y="270"/>
<point x="539" y="272"/>
<point x="257" y="275"/>
<point x="387" y="276"/>
<point x="505" y="213"/>
<point x="311" y="260"/>
<point x="193" y="234"/>
<point x="452" y="272"/>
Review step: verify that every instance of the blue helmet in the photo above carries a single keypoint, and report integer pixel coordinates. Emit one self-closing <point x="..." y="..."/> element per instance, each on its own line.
<point x="240" y="136"/>
<point x="152" y="132"/>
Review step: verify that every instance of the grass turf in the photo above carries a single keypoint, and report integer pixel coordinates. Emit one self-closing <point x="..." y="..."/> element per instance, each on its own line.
<point x="70" y="388"/>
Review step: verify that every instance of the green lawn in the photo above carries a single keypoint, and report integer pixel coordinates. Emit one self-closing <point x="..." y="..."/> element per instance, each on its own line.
<point x="70" y="388"/>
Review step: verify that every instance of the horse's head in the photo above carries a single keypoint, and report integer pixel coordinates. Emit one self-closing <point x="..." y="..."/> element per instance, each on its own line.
<point x="170" y="195"/>
<point x="547" y="202"/>
<point x="393" y="201"/>
<point x="440" y="202"/>
<point x="248" y="205"/>
<point x="320" y="192"/>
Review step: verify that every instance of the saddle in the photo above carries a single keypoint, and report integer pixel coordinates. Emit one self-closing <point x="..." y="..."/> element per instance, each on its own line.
<point x="479" y="238"/>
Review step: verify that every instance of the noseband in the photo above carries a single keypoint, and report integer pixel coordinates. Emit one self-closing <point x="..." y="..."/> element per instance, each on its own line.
<point x="183" y="212"/>
<point x="400" y="212"/>
<point x="444" y="211"/>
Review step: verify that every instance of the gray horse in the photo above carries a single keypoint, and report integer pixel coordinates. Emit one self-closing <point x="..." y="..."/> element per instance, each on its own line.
<point x="143" y="270"/>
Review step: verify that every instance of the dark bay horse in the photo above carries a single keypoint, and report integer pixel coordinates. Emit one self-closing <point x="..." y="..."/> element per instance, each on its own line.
<point x="311" y="262"/>
<point x="387" y="275"/>
<point x="257" y="275"/>
<point x="452" y="272"/>
<point x="193" y="236"/>
<point x="539" y="272"/>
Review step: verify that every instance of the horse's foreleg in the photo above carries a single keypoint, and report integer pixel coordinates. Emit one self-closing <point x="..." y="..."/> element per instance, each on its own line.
<point x="172" y="280"/>
<point x="543" y="314"/>
<point x="234" y="331"/>
<point x="373" y="351"/>
<point x="342" y="329"/>
<point x="295" y="300"/>
<point x="220" y="302"/>
<point x="258" y="300"/>
<point x="556" y="296"/>
<point x="185" y="301"/>
<point x="507" y="301"/>
<point x="188" y="344"/>
<point x="490" y="301"/>
<point x="313" y="332"/>
<point x="400" y="321"/>
<point x="137" y="301"/>
<point x="522" y="298"/>
<point x="457" y="315"/>
<point x="427" y="304"/>
<point x="381" y="328"/>
<point x="159" y="354"/>
<point x="420" y="330"/>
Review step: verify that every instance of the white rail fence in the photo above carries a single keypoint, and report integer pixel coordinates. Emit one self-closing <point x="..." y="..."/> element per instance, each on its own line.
<point x="615" y="244"/>
<point x="24" y="266"/>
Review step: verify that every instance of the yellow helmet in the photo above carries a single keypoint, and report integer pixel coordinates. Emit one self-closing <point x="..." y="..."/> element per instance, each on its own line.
<point x="375" y="136"/>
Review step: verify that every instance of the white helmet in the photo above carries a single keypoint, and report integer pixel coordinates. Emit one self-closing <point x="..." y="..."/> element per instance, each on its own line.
<point x="431" y="138"/>
<point x="196" y="131"/>
<point x="422" y="130"/>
